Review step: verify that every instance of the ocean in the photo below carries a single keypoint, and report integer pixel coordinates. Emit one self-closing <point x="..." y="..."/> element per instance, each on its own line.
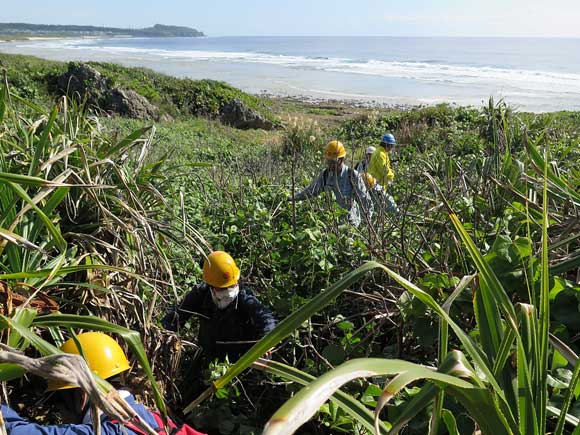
<point x="539" y="75"/>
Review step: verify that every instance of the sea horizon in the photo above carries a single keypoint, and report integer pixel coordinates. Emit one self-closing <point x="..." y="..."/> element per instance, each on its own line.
<point x="534" y="74"/>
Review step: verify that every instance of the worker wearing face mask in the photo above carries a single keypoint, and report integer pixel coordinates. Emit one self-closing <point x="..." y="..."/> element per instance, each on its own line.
<point x="231" y="318"/>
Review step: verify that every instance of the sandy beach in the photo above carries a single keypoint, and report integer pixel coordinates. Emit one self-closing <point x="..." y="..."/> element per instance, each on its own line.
<point x="367" y="72"/>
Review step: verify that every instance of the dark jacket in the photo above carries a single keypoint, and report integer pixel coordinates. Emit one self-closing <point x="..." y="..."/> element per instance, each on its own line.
<point x="221" y="331"/>
<point x="16" y="425"/>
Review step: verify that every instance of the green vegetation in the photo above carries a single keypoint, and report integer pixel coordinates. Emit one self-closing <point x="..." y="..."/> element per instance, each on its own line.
<point x="157" y="31"/>
<point x="36" y="79"/>
<point x="179" y="96"/>
<point x="438" y="316"/>
<point x="72" y="202"/>
<point x="463" y="150"/>
<point x="30" y="77"/>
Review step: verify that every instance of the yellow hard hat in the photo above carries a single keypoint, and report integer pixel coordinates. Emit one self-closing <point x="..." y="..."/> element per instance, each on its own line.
<point x="220" y="270"/>
<point x="334" y="150"/>
<point x="369" y="180"/>
<point x="103" y="354"/>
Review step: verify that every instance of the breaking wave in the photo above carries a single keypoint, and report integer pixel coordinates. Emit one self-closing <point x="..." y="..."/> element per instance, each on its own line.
<point x="427" y="71"/>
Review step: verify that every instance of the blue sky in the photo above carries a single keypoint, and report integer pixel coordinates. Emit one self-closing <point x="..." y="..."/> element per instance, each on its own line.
<point x="558" y="18"/>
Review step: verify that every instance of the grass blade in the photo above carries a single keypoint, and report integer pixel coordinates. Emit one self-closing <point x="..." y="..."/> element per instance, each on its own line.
<point x="55" y="232"/>
<point x="66" y="271"/>
<point x="352" y="406"/>
<point x="3" y="95"/>
<point x="527" y="351"/>
<point x="293" y="321"/>
<point x="42" y="143"/>
<point x="544" y="311"/>
<point x="28" y="180"/>
<point x="566" y="265"/>
<point x="540" y="163"/>
<point x="302" y="406"/>
<point x="567" y="400"/>
<point x="564" y="349"/>
<point x="450" y="422"/>
<point x="126" y="141"/>
<point x="10" y="237"/>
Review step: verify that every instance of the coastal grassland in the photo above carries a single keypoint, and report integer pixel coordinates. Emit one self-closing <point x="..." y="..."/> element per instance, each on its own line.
<point x="179" y="96"/>
<point x="235" y="188"/>
<point x="190" y="140"/>
<point x="480" y="160"/>
<point x="31" y="77"/>
<point x="82" y="222"/>
<point x="36" y="79"/>
<point x="326" y="113"/>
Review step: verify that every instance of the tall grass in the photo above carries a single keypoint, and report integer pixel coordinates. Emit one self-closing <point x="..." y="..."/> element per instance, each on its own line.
<point x="498" y="371"/>
<point x="504" y="395"/>
<point x="83" y="222"/>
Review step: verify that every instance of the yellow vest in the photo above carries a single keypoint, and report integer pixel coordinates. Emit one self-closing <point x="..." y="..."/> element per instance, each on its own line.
<point x="380" y="167"/>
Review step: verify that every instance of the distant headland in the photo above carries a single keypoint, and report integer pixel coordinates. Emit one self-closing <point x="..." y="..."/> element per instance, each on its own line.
<point x="20" y="30"/>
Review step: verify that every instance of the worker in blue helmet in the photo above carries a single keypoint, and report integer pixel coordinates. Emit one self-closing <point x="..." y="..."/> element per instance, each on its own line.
<point x="380" y="164"/>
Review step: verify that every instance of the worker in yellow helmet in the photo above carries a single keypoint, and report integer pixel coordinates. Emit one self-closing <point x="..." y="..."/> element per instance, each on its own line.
<point x="380" y="164"/>
<point x="231" y="318"/>
<point x="105" y="358"/>
<point x="102" y="353"/>
<point x="345" y="183"/>
<point x="382" y="201"/>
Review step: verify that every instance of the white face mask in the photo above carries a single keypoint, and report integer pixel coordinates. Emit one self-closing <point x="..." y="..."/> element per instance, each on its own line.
<point x="223" y="297"/>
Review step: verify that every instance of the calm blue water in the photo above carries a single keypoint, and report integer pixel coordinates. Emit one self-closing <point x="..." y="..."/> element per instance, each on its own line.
<point x="532" y="74"/>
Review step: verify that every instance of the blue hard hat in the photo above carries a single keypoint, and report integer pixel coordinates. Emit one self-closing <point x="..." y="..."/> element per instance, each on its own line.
<point x="389" y="138"/>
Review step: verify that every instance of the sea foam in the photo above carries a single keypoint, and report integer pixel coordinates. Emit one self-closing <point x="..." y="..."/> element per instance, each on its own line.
<point x="430" y="70"/>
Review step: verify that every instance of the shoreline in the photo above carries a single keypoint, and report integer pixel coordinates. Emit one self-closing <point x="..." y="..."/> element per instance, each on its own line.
<point x="316" y="100"/>
<point x="20" y="38"/>
<point x="356" y="103"/>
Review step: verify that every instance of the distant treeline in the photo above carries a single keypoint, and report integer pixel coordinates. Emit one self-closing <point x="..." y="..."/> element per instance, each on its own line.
<point x="158" y="30"/>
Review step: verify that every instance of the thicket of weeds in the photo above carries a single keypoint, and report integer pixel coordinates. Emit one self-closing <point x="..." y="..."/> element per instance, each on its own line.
<point x="116" y="218"/>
